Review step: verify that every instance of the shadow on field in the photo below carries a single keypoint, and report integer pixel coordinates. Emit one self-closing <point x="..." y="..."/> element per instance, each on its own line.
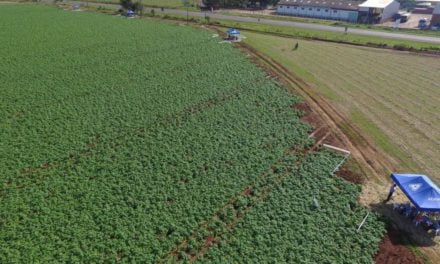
<point x="402" y="230"/>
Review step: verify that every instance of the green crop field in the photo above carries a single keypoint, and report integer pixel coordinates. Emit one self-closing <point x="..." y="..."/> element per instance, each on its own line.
<point x="122" y="138"/>
<point x="393" y="96"/>
<point x="286" y="227"/>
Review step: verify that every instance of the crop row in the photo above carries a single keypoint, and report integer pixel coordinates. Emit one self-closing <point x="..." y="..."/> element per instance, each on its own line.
<point x="312" y="217"/>
<point x="122" y="136"/>
<point x="119" y="137"/>
<point x="64" y="83"/>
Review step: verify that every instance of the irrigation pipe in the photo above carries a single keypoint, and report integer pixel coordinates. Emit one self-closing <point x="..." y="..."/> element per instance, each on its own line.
<point x="347" y="154"/>
<point x="363" y="222"/>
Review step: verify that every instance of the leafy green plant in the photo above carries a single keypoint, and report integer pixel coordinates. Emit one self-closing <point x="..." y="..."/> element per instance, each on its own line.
<point x="120" y="137"/>
<point x="286" y="229"/>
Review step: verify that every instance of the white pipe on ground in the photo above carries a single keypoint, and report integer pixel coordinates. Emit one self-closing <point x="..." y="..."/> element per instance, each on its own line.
<point x="363" y="222"/>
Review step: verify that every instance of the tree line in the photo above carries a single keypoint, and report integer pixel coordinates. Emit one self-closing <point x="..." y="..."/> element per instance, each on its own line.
<point x="136" y="5"/>
<point x="239" y="3"/>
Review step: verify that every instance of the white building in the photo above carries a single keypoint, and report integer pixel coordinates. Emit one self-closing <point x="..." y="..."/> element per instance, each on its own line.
<point x="435" y="20"/>
<point x="370" y="11"/>
<point x="378" y="11"/>
<point x="326" y="9"/>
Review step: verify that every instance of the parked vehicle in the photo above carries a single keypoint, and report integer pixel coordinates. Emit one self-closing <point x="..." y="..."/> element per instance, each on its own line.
<point x="396" y="16"/>
<point x="404" y="17"/>
<point x="423" y="23"/>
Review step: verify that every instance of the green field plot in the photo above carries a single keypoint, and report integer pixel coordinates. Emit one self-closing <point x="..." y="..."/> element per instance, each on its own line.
<point x="290" y="227"/>
<point x="393" y="96"/>
<point x="121" y="136"/>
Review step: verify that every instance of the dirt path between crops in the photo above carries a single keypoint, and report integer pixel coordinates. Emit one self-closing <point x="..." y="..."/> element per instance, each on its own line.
<point x="374" y="164"/>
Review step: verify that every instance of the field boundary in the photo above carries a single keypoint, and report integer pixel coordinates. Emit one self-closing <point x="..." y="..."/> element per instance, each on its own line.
<point x="370" y="160"/>
<point x="373" y="162"/>
<point x="369" y="44"/>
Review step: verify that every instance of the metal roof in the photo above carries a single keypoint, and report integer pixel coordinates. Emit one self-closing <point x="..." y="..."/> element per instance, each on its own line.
<point x="334" y="4"/>
<point x="376" y="3"/>
<point x="436" y="10"/>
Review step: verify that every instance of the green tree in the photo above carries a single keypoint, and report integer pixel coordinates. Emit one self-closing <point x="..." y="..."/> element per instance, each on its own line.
<point x="238" y="3"/>
<point x="407" y="3"/>
<point x="130" y="5"/>
<point x="126" y="4"/>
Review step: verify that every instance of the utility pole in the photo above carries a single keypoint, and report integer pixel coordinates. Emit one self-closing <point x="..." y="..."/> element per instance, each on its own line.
<point x="186" y="4"/>
<point x="141" y="6"/>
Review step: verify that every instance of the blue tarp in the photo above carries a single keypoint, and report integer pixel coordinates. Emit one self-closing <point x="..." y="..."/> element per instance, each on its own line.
<point x="233" y="31"/>
<point x="422" y="192"/>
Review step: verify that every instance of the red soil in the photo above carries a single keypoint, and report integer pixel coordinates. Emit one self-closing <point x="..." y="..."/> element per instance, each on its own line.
<point x="392" y="250"/>
<point x="350" y="176"/>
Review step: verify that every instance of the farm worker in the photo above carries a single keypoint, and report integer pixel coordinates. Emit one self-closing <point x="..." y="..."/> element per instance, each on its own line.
<point x="346" y="29"/>
<point x="392" y="189"/>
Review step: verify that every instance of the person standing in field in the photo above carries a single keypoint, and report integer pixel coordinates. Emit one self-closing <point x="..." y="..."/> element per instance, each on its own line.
<point x="296" y="46"/>
<point x="390" y="194"/>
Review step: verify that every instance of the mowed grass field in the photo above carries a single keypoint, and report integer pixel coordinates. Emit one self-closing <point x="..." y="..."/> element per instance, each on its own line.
<point x="138" y="141"/>
<point x="393" y="96"/>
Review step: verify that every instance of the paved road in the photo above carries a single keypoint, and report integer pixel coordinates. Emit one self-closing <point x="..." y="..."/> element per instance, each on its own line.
<point x="373" y="33"/>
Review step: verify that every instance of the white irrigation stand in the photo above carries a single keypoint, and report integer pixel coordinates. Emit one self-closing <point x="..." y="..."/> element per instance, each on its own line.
<point x="346" y="155"/>
<point x="363" y="221"/>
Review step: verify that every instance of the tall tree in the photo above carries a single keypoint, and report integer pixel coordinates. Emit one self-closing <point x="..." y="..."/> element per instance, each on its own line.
<point x="238" y="3"/>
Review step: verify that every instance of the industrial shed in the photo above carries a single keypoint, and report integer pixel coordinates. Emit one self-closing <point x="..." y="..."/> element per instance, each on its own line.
<point x="326" y="9"/>
<point x="435" y="20"/>
<point x="370" y="11"/>
<point x="377" y="11"/>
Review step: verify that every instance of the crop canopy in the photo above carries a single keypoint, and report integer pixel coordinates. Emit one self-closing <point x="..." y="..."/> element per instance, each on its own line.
<point x="422" y="192"/>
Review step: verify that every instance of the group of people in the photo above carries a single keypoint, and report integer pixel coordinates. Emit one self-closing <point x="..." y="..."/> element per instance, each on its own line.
<point x="429" y="221"/>
<point x="426" y="220"/>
